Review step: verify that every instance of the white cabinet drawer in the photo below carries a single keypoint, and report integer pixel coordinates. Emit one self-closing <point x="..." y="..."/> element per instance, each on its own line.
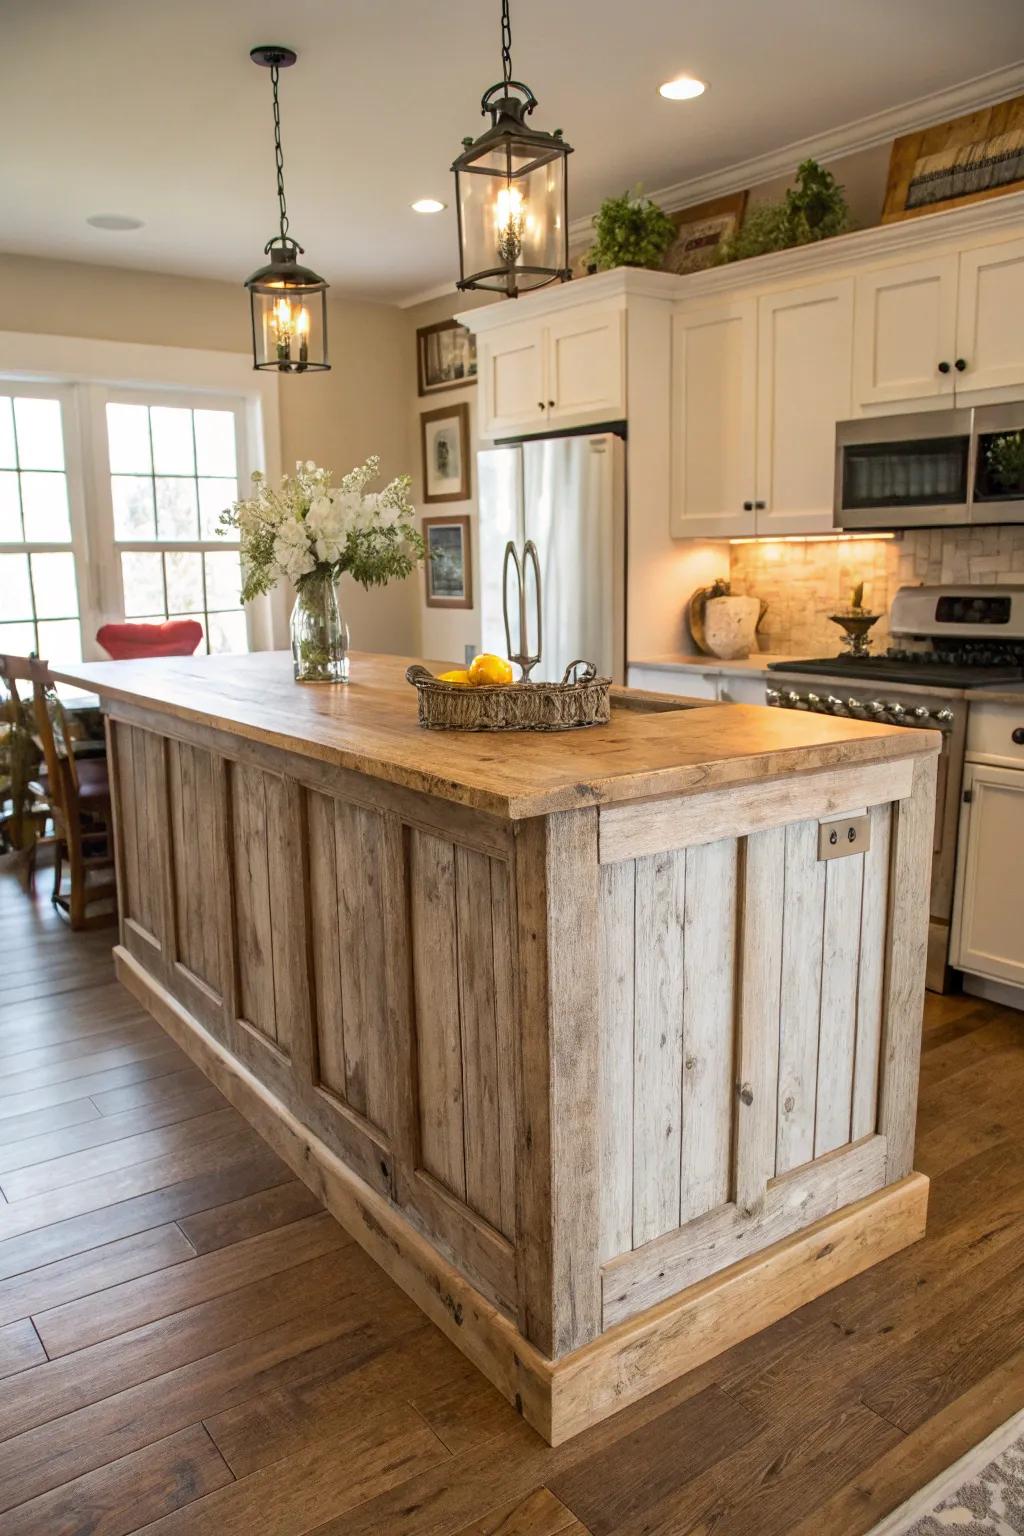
<point x="990" y="732"/>
<point x="688" y="685"/>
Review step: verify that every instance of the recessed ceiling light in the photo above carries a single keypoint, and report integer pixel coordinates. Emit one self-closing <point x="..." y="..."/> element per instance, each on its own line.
<point x="428" y="205"/>
<point x="113" y="221"/>
<point x="682" y="89"/>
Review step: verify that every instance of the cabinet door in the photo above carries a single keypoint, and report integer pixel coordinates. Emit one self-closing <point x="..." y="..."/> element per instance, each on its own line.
<point x="904" y="327"/>
<point x="586" y="367"/>
<point x="804" y="364"/>
<point x="512" y="383"/>
<point x="990" y="324"/>
<point x="714" y="370"/>
<point x="988" y="933"/>
<point x="686" y="684"/>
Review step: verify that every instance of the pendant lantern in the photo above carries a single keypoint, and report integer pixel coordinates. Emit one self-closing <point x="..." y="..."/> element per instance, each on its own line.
<point x="288" y="300"/>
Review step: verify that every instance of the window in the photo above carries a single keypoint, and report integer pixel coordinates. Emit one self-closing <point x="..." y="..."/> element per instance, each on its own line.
<point x="173" y="470"/>
<point x="39" y="605"/>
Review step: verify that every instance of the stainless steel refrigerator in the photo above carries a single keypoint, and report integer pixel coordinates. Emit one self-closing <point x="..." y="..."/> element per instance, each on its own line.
<point x="568" y="495"/>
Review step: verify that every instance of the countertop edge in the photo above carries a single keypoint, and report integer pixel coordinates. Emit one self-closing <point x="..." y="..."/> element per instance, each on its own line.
<point x="676" y="779"/>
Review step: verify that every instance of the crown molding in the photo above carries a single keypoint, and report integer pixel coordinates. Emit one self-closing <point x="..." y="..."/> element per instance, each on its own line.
<point x="865" y="133"/>
<point x="439" y="291"/>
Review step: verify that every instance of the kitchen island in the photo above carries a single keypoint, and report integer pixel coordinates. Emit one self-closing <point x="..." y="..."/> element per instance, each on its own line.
<point x="603" y="1044"/>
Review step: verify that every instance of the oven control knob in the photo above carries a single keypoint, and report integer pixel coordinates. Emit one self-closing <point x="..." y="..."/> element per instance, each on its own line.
<point x="813" y="701"/>
<point x="854" y="704"/>
<point x="896" y="711"/>
<point x="944" y="716"/>
<point x="833" y="704"/>
<point x="772" y="696"/>
<point x="876" y="707"/>
<point x="921" y="713"/>
<point x="793" y="699"/>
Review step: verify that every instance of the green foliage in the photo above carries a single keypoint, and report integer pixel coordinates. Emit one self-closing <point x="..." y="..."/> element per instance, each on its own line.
<point x="815" y="209"/>
<point x="1006" y="460"/>
<point x="631" y="232"/>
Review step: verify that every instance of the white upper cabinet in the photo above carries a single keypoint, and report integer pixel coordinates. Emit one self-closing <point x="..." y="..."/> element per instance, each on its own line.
<point x="905" y="334"/>
<point x="714" y="359"/>
<point x="586" y="367"/>
<point x="804" y="359"/>
<point x="566" y="371"/>
<point x="511" y="371"/>
<point x="941" y="329"/>
<point x="990" y="324"/>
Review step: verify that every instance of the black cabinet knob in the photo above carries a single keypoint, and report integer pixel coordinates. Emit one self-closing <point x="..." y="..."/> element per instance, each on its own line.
<point x="960" y="365"/>
<point x="759" y="506"/>
<point x="551" y="403"/>
<point x="748" y="506"/>
<point x="943" y="367"/>
<point x="540" y="405"/>
<point x="1017" y="736"/>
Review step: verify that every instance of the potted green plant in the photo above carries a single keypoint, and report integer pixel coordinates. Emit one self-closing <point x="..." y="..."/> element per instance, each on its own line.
<point x="814" y="209"/>
<point x="1005" y="458"/>
<point x="631" y="231"/>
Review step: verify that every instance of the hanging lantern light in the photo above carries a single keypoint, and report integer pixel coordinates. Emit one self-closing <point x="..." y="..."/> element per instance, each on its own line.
<point x="511" y="192"/>
<point x="288" y="301"/>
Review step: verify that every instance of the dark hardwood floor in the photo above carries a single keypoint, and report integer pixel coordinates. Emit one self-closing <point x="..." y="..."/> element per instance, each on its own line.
<point x="189" y="1344"/>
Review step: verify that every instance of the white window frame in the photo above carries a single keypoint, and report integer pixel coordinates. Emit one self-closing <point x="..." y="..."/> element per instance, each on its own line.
<point x="83" y="373"/>
<point x="79" y="541"/>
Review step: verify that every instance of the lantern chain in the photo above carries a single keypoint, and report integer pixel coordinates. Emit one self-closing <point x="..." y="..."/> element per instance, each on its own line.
<point x="506" y="43"/>
<point x="275" y="75"/>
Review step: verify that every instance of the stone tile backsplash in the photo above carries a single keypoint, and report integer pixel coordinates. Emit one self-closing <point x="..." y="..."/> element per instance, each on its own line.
<point x="802" y="583"/>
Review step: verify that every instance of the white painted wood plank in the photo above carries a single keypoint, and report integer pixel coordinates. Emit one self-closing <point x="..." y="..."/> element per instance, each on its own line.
<point x="618" y="916"/>
<point x="658" y="1052"/>
<point x="873" y="920"/>
<point x="801" y="996"/>
<point x="757" y="1056"/>
<point x="709" y="958"/>
<point x="837" y="1027"/>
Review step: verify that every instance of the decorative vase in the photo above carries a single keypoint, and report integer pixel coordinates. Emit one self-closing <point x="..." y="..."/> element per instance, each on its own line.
<point x="729" y="626"/>
<point x="319" y="633"/>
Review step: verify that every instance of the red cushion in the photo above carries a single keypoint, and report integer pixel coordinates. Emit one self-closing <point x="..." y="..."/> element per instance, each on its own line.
<point x="127" y="642"/>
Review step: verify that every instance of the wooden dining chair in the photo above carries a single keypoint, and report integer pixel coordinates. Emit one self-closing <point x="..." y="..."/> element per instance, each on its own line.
<point x="79" y="794"/>
<point x="23" y="786"/>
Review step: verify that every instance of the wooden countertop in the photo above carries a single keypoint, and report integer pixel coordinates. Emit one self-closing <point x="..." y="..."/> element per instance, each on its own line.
<point x="370" y="725"/>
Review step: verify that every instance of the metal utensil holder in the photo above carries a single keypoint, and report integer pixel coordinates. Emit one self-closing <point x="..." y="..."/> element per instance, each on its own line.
<point x="525" y="659"/>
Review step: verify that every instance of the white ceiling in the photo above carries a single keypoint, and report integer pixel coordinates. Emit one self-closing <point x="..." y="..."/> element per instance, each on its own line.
<point x="153" y="109"/>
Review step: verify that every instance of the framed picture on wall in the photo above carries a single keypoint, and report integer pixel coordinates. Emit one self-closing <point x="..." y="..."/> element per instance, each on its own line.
<point x="950" y="165"/>
<point x="449" y="564"/>
<point x="445" y="357"/>
<point x="444" y="437"/>
<point x="700" y="230"/>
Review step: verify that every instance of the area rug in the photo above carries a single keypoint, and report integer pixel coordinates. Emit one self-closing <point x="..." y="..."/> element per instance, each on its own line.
<point x="980" y="1495"/>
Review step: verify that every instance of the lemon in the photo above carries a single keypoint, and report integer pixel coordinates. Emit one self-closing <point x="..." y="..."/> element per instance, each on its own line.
<point x="487" y="669"/>
<point x="460" y="676"/>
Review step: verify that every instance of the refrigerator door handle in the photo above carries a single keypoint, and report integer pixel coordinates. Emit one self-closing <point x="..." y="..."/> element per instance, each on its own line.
<point x="525" y="660"/>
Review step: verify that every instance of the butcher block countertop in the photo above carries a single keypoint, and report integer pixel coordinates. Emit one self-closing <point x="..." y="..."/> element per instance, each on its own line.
<point x="370" y="726"/>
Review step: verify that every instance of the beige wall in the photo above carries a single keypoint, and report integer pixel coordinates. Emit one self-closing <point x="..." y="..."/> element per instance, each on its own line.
<point x="444" y="632"/>
<point x="337" y="418"/>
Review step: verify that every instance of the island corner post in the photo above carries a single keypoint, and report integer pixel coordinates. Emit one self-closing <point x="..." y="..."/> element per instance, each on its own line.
<point x="604" y="1088"/>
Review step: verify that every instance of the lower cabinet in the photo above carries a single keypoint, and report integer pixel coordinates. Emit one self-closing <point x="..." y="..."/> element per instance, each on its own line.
<point x="723" y="687"/>
<point x="988" y="929"/>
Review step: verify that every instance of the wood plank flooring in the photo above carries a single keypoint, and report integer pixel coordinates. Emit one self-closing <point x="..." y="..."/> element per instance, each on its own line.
<point x="188" y="1344"/>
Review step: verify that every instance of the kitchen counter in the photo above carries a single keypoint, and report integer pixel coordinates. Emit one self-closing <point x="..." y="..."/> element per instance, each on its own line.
<point x="1007" y="694"/>
<point x="604" y="1045"/>
<point x="754" y="665"/>
<point x="370" y="727"/>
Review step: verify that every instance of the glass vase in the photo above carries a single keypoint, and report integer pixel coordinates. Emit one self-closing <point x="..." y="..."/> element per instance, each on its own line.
<point x="319" y="633"/>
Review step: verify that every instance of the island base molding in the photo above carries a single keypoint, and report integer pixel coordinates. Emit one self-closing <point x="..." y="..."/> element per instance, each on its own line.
<point x="562" y="1397"/>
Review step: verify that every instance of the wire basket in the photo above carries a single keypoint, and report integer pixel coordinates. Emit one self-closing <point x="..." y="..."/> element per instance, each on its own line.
<point x="572" y="704"/>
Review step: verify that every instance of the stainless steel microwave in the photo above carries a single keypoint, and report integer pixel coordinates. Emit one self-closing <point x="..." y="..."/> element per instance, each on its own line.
<point x="931" y="469"/>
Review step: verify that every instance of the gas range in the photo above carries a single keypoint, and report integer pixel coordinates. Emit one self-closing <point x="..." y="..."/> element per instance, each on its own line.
<point x="960" y="638"/>
<point x="950" y="640"/>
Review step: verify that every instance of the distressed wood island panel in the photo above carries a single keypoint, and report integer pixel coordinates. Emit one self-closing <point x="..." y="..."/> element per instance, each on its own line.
<point x="601" y="1107"/>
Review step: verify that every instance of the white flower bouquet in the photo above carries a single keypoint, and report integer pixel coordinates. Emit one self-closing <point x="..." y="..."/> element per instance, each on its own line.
<point x="310" y="531"/>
